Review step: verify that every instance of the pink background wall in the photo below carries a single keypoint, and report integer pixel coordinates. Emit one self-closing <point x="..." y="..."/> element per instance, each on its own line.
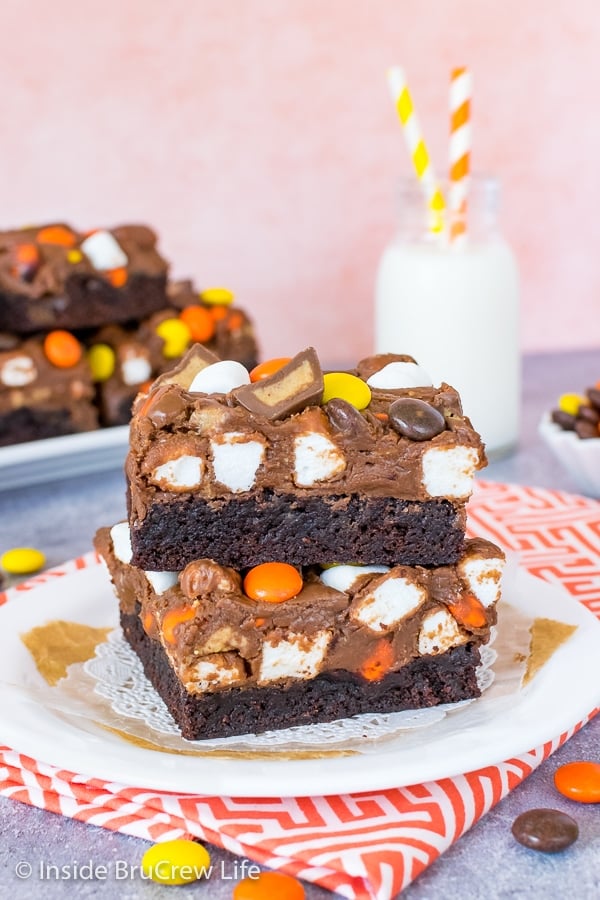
<point x="259" y="138"/>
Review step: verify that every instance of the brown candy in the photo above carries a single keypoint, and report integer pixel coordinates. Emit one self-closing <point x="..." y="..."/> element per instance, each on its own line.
<point x="593" y="395"/>
<point x="195" y="360"/>
<point x="546" y="830"/>
<point x="564" y="419"/>
<point x="416" y="419"/>
<point x="295" y="386"/>
<point x="585" y="429"/>
<point x="203" y="576"/>
<point x="348" y="420"/>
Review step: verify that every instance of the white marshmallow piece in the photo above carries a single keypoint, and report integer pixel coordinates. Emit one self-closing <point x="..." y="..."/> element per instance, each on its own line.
<point x="18" y="371"/>
<point x="209" y="674"/>
<point x="135" y="370"/>
<point x="449" y="471"/>
<point x="483" y="577"/>
<point x="316" y="459"/>
<point x="388" y="603"/>
<point x="103" y="251"/>
<point x="182" y="472"/>
<point x="398" y="375"/>
<point x="162" y="581"/>
<point x="219" y="378"/>
<point x="236" y="460"/>
<point x="296" y="658"/>
<point x="342" y="578"/>
<point x="121" y="541"/>
<point x="439" y="633"/>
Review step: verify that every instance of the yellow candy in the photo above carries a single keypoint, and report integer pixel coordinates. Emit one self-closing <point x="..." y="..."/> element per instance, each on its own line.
<point x="346" y="387"/>
<point x="22" y="560"/>
<point x="101" y="360"/>
<point x="176" y="336"/>
<point x="176" y="862"/>
<point x="217" y="296"/>
<point x="570" y="403"/>
<point x="74" y="256"/>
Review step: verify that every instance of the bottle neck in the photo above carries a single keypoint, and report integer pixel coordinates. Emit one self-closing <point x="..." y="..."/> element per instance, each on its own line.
<point x="477" y="220"/>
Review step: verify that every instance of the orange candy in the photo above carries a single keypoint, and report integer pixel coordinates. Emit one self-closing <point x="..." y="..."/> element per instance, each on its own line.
<point x="173" y="618"/>
<point x="269" y="886"/>
<point x="200" y="321"/>
<point x="218" y="312"/>
<point x="378" y="663"/>
<point x="56" y="234"/>
<point x="117" y="277"/>
<point x="62" y="349"/>
<point x="235" y="321"/>
<point x="273" y="582"/>
<point x="26" y="259"/>
<point x="269" y="367"/>
<point x="579" y="781"/>
<point x="468" y="610"/>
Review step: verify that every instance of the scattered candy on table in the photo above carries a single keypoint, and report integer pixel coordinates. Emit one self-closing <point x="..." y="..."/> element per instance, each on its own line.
<point x="269" y="886"/>
<point x="22" y="560"/>
<point x="546" y="830"/>
<point x="579" y="781"/>
<point x="273" y="582"/>
<point x="176" y="862"/>
<point x="579" y="413"/>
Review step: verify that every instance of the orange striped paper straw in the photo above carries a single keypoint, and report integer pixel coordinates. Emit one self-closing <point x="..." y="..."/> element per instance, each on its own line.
<point x="417" y="148"/>
<point x="461" y="90"/>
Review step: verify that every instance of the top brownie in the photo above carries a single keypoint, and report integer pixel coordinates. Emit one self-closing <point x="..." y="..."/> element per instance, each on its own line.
<point x="369" y="466"/>
<point x="56" y="277"/>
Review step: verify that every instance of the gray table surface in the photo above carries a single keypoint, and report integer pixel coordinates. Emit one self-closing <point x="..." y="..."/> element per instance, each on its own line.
<point x="61" y="519"/>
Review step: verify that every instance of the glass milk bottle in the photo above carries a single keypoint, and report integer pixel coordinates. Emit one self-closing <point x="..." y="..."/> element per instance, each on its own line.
<point x="454" y="306"/>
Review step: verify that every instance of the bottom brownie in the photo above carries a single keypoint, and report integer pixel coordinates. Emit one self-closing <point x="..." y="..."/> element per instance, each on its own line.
<point x="30" y="424"/>
<point x="425" y="682"/>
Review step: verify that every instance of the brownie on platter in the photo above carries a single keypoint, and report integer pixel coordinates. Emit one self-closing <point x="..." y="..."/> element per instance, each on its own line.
<point x="124" y="357"/>
<point x="45" y="388"/>
<point x="56" y="277"/>
<point x="375" y="465"/>
<point x="245" y="651"/>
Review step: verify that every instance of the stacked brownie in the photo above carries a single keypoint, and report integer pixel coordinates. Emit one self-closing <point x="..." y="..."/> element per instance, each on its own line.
<point x="295" y="551"/>
<point x="87" y="318"/>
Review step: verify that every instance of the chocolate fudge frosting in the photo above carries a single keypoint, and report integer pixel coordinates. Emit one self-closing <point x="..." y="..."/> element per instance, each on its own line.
<point x="217" y="637"/>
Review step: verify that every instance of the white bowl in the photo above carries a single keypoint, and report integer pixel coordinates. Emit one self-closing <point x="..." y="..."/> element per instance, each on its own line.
<point x="581" y="457"/>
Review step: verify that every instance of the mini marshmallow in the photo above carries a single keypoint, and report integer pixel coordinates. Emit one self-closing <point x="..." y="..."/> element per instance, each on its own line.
<point x="103" y="251"/>
<point x="183" y="472"/>
<point x="218" y="671"/>
<point x="342" y="578"/>
<point x="483" y="577"/>
<point x="392" y="600"/>
<point x="135" y="370"/>
<point x="18" y="371"/>
<point x="236" y="460"/>
<point x="121" y="541"/>
<point x="439" y="632"/>
<point x="398" y="375"/>
<point x="449" y="471"/>
<point x="162" y="581"/>
<point x="316" y="459"/>
<point x="289" y="659"/>
<point x="220" y="378"/>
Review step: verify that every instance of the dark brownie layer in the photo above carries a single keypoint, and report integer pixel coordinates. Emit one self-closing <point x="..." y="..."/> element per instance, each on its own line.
<point x="428" y="681"/>
<point x="300" y="530"/>
<point x="31" y="424"/>
<point x="86" y="301"/>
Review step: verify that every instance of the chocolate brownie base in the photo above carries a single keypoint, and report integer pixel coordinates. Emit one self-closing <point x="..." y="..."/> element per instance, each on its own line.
<point x="30" y="424"/>
<point x="86" y="301"/>
<point x="299" y="530"/>
<point x="428" y="681"/>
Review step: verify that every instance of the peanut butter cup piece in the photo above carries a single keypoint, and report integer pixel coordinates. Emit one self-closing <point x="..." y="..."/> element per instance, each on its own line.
<point x="295" y="386"/>
<point x="195" y="360"/>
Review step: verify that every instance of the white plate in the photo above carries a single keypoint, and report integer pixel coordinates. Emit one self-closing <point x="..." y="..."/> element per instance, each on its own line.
<point x="561" y="695"/>
<point x="581" y="458"/>
<point x="35" y="462"/>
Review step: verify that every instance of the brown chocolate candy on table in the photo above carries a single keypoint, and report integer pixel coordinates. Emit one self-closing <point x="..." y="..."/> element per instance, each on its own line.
<point x="416" y="419"/>
<point x="546" y="830"/>
<point x="586" y="421"/>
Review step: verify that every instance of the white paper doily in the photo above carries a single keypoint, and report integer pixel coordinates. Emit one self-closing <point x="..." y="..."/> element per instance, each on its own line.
<point x="119" y="677"/>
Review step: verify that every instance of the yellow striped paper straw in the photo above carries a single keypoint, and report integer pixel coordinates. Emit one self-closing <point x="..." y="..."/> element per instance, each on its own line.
<point x="461" y="91"/>
<point x="417" y="148"/>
